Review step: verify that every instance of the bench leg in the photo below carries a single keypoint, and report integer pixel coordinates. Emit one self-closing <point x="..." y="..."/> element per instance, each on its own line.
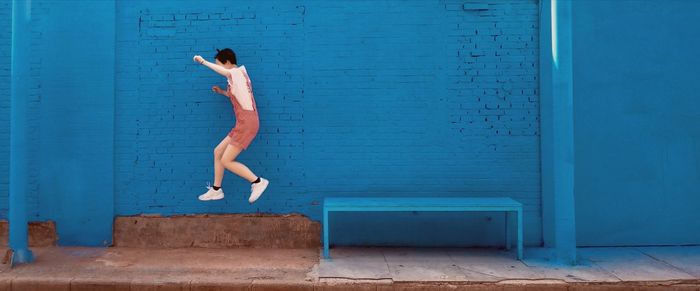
<point x="507" y="233"/>
<point x="326" y="243"/>
<point x="520" y="234"/>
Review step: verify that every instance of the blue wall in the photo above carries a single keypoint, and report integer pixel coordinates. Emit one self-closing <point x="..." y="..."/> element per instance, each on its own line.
<point x="33" y="100"/>
<point x="361" y="98"/>
<point x="356" y="98"/>
<point x="77" y="120"/>
<point x="5" y="42"/>
<point x="637" y="122"/>
<point x="70" y="125"/>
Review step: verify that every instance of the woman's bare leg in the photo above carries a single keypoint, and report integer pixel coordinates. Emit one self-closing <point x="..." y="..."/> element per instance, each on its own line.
<point x="229" y="161"/>
<point x="218" y="166"/>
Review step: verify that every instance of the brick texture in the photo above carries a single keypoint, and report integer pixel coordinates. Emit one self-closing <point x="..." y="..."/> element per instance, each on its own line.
<point x="5" y="42"/>
<point x="217" y="231"/>
<point x="33" y="127"/>
<point x="356" y="98"/>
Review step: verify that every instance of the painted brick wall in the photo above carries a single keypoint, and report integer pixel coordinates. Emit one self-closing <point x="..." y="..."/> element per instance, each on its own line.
<point x="34" y="99"/>
<point x="168" y="121"/>
<point x="357" y="98"/>
<point x="369" y="98"/>
<point x="5" y="42"/>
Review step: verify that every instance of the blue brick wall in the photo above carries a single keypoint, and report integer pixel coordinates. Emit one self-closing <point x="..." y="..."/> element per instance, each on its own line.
<point x="34" y="102"/>
<point x="39" y="9"/>
<point x="370" y="98"/>
<point x="5" y="42"/>
<point x="356" y="98"/>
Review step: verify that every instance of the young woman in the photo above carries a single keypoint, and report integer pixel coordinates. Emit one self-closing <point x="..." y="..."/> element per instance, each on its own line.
<point x="240" y="92"/>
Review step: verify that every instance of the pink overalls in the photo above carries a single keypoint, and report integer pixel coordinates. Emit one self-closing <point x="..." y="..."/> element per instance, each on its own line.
<point x="247" y="122"/>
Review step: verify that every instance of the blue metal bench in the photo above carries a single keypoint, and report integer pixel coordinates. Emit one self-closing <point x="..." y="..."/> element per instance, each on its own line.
<point x="360" y="204"/>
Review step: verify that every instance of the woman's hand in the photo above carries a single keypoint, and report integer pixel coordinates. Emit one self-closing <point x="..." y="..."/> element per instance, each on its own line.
<point x="218" y="90"/>
<point x="198" y="59"/>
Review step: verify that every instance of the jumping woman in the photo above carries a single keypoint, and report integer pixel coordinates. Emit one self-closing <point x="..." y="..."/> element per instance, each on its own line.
<point x="240" y="92"/>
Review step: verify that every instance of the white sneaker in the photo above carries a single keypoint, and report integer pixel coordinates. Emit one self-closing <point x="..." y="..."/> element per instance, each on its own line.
<point x="212" y="194"/>
<point x="256" y="189"/>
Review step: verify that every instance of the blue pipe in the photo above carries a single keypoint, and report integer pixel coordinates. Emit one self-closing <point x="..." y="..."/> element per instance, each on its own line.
<point x="21" y="33"/>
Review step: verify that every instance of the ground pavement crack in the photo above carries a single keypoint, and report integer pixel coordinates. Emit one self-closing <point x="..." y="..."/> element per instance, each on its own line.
<point x="387" y="266"/>
<point x="665" y="263"/>
<point x="454" y="263"/>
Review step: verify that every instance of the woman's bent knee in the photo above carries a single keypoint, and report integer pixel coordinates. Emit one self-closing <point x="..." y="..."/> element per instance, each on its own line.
<point x="227" y="163"/>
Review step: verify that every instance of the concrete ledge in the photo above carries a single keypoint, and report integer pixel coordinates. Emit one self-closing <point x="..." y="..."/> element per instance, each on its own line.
<point x="41" y="233"/>
<point x="217" y="231"/>
<point x="204" y="285"/>
<point x="40" y="284"/>
<point x="99" y="284"/>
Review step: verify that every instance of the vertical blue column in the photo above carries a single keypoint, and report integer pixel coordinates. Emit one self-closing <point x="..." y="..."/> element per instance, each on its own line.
<point x="546" y="143"/>
<point x="557" y="132"/>
<point x="563" y="133"/>
<point x="21" y="16"/>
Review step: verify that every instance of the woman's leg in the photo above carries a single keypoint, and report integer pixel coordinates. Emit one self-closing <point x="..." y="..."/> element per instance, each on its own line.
<point x="218" y="166"/>
<point x="229" y="161"/>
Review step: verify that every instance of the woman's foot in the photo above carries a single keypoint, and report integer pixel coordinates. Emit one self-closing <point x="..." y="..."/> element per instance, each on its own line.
<point x="212" y="194"/>
<point x="257" y="189"/>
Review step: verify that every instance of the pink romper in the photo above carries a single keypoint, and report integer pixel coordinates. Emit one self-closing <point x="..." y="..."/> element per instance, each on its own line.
<point x="247" y="121"/>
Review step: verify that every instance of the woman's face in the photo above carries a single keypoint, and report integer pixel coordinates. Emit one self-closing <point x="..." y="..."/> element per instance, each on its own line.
<point x="218" y="62"/>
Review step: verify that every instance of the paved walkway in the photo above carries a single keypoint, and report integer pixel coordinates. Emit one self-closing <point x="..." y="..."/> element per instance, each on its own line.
<point x="61" y="268"/>
<point x="608" y="265"/>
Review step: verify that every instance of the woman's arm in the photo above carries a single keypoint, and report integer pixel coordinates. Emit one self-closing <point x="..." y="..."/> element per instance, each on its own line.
<point x="218" y="90"/>
<point x="216" y="68"/>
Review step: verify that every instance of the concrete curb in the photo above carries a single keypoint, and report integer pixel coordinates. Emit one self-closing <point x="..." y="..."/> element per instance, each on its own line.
<point x="87" y="284"/>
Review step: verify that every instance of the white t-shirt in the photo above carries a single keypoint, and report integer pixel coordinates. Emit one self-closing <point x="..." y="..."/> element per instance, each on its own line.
<point x="239" y="86"/>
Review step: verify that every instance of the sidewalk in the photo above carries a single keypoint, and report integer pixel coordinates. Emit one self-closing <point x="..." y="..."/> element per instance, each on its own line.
<point x="596" y="265"/>
<point x="60" y="268"/>
<point x="63" y="268"/>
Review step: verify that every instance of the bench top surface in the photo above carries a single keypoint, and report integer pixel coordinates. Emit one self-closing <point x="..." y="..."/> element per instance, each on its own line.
<point x="417" y="202"/>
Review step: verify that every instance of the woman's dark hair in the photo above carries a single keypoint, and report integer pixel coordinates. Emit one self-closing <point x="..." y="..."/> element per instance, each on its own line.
<point x="226" y="54"/>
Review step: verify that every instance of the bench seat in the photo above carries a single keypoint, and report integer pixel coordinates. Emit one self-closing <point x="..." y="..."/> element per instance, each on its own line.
<point x="466" y="204"/>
